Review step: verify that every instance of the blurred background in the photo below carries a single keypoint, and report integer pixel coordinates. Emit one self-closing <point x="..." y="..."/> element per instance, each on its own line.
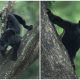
<point x="29" y="10"/>
<point x="68" y="10"/>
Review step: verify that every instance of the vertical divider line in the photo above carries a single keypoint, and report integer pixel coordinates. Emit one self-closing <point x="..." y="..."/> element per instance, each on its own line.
<point x="39" y="39"/>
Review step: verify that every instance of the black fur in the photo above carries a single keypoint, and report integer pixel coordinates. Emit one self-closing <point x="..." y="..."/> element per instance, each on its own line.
<point x="71" y="37"/>
<point x="11" y="34"/>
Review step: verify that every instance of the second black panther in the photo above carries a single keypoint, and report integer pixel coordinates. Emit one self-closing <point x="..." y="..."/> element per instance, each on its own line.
<point x="11" y="34"/>
<point x="71" y="37"/>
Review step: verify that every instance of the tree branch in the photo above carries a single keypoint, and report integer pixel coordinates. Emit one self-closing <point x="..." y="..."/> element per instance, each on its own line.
<point x="27" y="54"/>
<point x="55" y="61"/>
<point x="7" y="9"/>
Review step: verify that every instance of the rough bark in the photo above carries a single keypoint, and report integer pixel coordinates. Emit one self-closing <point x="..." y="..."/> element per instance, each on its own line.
<point x="27" y="54"/>
<point x="55" y="62"/>
<point x="7" y="9"/>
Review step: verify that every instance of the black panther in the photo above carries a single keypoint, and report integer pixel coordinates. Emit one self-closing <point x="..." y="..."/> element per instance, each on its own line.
<point x="11" y="35"/>
<point x="71" y="37"/>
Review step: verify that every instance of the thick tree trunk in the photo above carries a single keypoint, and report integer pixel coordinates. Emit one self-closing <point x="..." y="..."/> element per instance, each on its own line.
<point x="27" y="54"/>
<point x="55" y="62"/>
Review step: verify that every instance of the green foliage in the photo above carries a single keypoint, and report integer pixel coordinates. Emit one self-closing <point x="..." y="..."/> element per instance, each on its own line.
<point x="29" y="10"/>
<point x="69" y="10"/>
<point x="31" y="73"/>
